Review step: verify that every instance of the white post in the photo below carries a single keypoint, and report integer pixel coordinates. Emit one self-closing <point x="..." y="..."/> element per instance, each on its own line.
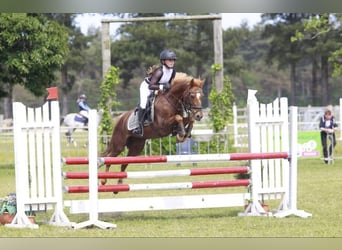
<point x="254" y="207"/>
<point x="293" y="169"/>
<point x="21" y="167"/>
<point x="58" y="218"/>
<point x="93" y="180"/>
<point x="235" y="125"/>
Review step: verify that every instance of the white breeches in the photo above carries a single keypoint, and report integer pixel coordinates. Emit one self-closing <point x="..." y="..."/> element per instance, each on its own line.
<point x="144" y="93"/>
<point x="84" y="113"/>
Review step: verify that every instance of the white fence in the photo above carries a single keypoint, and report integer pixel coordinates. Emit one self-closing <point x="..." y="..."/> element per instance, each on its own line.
<point x="235" y="136"/>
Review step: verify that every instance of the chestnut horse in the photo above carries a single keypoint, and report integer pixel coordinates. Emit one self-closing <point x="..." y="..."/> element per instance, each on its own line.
<point x="175" y="112"/>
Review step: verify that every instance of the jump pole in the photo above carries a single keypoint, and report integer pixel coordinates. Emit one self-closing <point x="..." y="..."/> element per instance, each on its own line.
<point x="160" y="186"/>
<point x="178" y="158"/>
<point x="159" y="173"/>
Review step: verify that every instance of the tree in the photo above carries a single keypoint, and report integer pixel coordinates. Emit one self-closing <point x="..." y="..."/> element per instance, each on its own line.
<point x="75" y="61"/>
<point x="280" y="30"/>
<point x="32" y="48"/>
<point x="245" y="53"/>
<point x="322" y="37"/>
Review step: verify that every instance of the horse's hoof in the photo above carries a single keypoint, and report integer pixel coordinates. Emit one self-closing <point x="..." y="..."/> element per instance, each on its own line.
<point x="180" y="138"/>
<point x="103" y="182"/>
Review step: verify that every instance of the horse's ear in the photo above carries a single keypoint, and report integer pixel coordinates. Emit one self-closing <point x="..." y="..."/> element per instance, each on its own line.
<point x="197" y="82"/>
<point x="202" y="82"/>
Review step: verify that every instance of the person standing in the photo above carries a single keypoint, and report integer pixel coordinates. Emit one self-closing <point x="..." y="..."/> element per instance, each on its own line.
<point x="161" y="78"/>
<point x="327" y="126"/>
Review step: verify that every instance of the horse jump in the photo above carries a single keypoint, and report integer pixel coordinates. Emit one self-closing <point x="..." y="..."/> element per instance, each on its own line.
<point x="175" y="202"/>
<point x="39" y="175"/>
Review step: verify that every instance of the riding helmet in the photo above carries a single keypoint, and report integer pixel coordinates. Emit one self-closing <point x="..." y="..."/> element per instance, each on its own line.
<point x="83" y="96"/>
<point x="168" y="54"/>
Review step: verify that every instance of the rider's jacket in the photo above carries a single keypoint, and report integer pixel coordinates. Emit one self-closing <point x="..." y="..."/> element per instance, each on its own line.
<point x="162" y="75"/>
<point x="82" y="105"/>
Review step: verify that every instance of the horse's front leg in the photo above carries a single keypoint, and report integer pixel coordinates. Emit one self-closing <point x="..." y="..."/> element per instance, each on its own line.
<point x="181" y="134"/>
<point x="189" y="127"/>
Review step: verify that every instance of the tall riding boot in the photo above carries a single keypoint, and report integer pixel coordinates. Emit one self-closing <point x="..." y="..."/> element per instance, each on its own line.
<point x="140" y="130"/>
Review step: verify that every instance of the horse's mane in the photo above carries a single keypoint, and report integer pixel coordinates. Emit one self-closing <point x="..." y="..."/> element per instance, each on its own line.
<point x="181" y="77"/>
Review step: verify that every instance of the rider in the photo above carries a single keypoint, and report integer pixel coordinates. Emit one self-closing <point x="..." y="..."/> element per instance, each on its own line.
<point x="161" y="78"/>
<point x="83" y="107"/>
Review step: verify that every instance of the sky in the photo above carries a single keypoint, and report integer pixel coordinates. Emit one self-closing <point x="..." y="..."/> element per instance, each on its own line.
<point x="229" y="20"/>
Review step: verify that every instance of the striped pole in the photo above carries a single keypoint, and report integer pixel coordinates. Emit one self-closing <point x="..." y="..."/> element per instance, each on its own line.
<point x="179" y="158"/>
<point x="157" y="174"/>
<point x="115" y="160"/>
<point x="160" y="186"/>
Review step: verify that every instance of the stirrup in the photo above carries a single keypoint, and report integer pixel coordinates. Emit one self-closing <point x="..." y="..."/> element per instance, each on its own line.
<point x="138" y="131"/>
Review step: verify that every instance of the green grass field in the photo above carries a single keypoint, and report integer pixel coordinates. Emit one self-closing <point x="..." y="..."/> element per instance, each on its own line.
<point x="319" y="187"/>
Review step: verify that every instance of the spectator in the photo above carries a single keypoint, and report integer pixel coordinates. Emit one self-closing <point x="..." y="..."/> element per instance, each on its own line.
<point x="327" y="126"/>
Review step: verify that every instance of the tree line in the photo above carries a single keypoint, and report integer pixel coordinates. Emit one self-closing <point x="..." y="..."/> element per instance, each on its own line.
<point x="296" y="55"/>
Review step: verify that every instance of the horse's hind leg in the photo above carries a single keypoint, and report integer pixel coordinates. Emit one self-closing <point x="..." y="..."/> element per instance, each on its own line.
<point x="115" y="151"/>
<point x="69" y="138"/>
<point x="135" y="146"/>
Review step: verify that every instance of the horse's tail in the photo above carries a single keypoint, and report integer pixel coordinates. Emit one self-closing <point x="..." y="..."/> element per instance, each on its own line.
<point x="109" y="148"/>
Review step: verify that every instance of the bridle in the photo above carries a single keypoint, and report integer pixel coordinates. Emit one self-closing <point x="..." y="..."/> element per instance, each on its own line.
<point x="187" y="101"/>
<point x="183" y="104"/>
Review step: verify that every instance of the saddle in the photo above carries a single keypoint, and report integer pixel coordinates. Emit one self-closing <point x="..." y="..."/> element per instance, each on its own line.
<point x="80" y="118"/>
<point x="133" y="121"/>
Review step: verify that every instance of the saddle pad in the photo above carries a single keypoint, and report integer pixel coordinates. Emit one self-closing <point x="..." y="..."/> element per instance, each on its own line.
<point x="132" y="121"/>
<point x="79" y="118"/>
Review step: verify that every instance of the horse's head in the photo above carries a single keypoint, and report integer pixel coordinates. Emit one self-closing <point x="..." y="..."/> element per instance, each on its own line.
<point x="193" y="98"/>
<point x="190" y="92"/>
